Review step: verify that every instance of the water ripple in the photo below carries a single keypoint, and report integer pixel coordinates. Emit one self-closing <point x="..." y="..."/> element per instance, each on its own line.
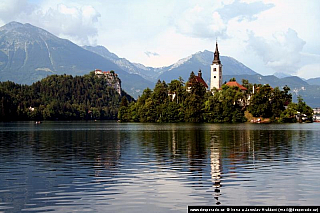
<point x="113" y="167"/>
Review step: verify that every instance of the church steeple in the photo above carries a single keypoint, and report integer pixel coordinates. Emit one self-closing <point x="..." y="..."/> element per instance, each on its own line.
<point x="216" y="59"/>
<point x="216" y="71"/>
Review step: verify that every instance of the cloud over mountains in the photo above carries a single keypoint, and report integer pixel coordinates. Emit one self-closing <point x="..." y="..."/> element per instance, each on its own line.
<point x="282" y="53"/>
<point x="199" y="21"/>
<point x="243" y="10"/>
<point x="79" y="23"/>
<point x="176" y="29"/>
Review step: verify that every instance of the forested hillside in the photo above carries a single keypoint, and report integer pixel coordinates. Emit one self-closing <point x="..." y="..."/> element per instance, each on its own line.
<point x="60" y="97"/>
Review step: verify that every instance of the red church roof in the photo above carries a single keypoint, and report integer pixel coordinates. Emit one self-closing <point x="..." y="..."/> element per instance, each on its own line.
<point x="201" y="81"/>
<point x="235" y="84"/>
<point x="198" y="79"/>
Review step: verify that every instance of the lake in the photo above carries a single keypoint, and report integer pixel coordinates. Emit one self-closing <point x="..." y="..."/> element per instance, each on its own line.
<point x="134" y="167"/>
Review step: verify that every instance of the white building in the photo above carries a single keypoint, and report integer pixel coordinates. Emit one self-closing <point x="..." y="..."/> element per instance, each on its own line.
<point x="316" y="111"/>
<point x="216" y="71"/>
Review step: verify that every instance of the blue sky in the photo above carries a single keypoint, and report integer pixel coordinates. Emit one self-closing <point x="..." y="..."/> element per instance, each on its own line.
<point x="266" y="35"/>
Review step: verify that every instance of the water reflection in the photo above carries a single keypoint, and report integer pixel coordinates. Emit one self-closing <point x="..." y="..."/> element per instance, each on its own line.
<point x="99" y="166"/>
<point x="215" y="167"/>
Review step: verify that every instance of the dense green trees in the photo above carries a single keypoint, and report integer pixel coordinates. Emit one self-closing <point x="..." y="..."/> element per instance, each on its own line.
<point x="172" y="103"/>
<point x="88" y="97"/>
<point x="226" y="106"/>
<point x="277" y="105"/>
<point x="297" y="112"/>
<point x="260" y="105"/>
<point x="60" y="97"/>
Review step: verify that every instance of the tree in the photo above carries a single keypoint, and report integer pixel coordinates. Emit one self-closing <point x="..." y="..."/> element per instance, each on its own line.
<point x="286" y="95"/>
<point x="194" y="102"/>
<point x="173" y="113"/>
<point x="123" y="114"/>
<point x="224" y="106"/>
<point x="303" y="108"/>
<point x="160" y="99"/>
<point x="176" y="87"/>
<point x="124" y="102"/>
<point x="277" y="101"/>
<point x="191" y="77"/>
<point x="289" y="114"/>
<point x="260" y="105"/>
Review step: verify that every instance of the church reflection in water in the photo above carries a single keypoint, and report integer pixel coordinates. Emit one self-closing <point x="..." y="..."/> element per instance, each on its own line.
<point x="215" y="168"/>
<point x="203" y="159"/>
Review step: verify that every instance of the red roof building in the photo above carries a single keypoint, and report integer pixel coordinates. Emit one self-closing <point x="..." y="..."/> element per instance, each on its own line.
<point x="199" y="79"/>
<point x="98" y="72"/>
<point x="236" y="84"/>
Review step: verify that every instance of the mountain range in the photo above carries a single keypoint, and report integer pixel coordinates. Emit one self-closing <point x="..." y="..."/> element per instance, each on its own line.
<point x="183" y="68"/>
<point x="29" y="53"/>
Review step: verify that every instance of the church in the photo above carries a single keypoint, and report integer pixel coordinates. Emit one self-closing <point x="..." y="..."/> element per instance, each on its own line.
<point x="216" y="71"/>
<point x="216" y="74"/>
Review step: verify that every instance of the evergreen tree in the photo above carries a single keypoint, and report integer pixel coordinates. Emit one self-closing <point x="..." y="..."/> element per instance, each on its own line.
<point x="194" y="103"/>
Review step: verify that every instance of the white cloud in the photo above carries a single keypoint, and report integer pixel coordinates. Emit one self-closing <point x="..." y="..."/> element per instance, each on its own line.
<point x="207" y="20"/>
<point x="177" y="29"/>
<point x="309" y="71"/>
<point x="243" y="10"/>
<point x="282" y="52"/>
<point x="75" y="23"/>
<point x="149" y="54"/>
<point x="78" y="23"/>
<point x="201" y="23"/>
<point x="10" y="9"/>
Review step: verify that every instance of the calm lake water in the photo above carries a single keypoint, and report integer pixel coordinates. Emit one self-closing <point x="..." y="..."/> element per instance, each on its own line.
<point x="133" y="167"/>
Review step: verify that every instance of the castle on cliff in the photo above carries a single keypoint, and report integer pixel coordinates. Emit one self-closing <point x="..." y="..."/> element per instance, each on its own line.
<point x="111" y="77"/>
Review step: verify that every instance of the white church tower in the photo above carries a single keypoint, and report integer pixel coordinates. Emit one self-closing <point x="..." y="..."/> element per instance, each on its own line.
<point x="216" y="71"/>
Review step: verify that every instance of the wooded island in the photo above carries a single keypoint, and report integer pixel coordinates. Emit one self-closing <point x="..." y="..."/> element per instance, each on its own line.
<point x="190" y="102"/>
<point x="90" y="97"/>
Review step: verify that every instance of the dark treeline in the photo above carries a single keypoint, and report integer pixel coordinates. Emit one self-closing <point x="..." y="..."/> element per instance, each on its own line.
<point x="61" y="97"/>
<point x="172" y="103"/>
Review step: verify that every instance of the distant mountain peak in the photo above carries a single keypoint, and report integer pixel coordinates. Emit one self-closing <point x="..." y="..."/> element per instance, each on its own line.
<point x="26" y="31"/>
<point x="180" y="62"/>
<point x="15" y="25"/>
<point x="11" y="25"/>
<point x="202" y="60"/>
<point x="29" y="53"/>
<point x="103" y="51"/>
<point x="281" y="75"/>
<point x="149" y="73"/>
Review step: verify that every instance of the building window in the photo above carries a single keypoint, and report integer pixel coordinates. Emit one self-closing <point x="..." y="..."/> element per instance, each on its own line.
<point x="214" y="69"/>
<point x="215" y="76"/>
